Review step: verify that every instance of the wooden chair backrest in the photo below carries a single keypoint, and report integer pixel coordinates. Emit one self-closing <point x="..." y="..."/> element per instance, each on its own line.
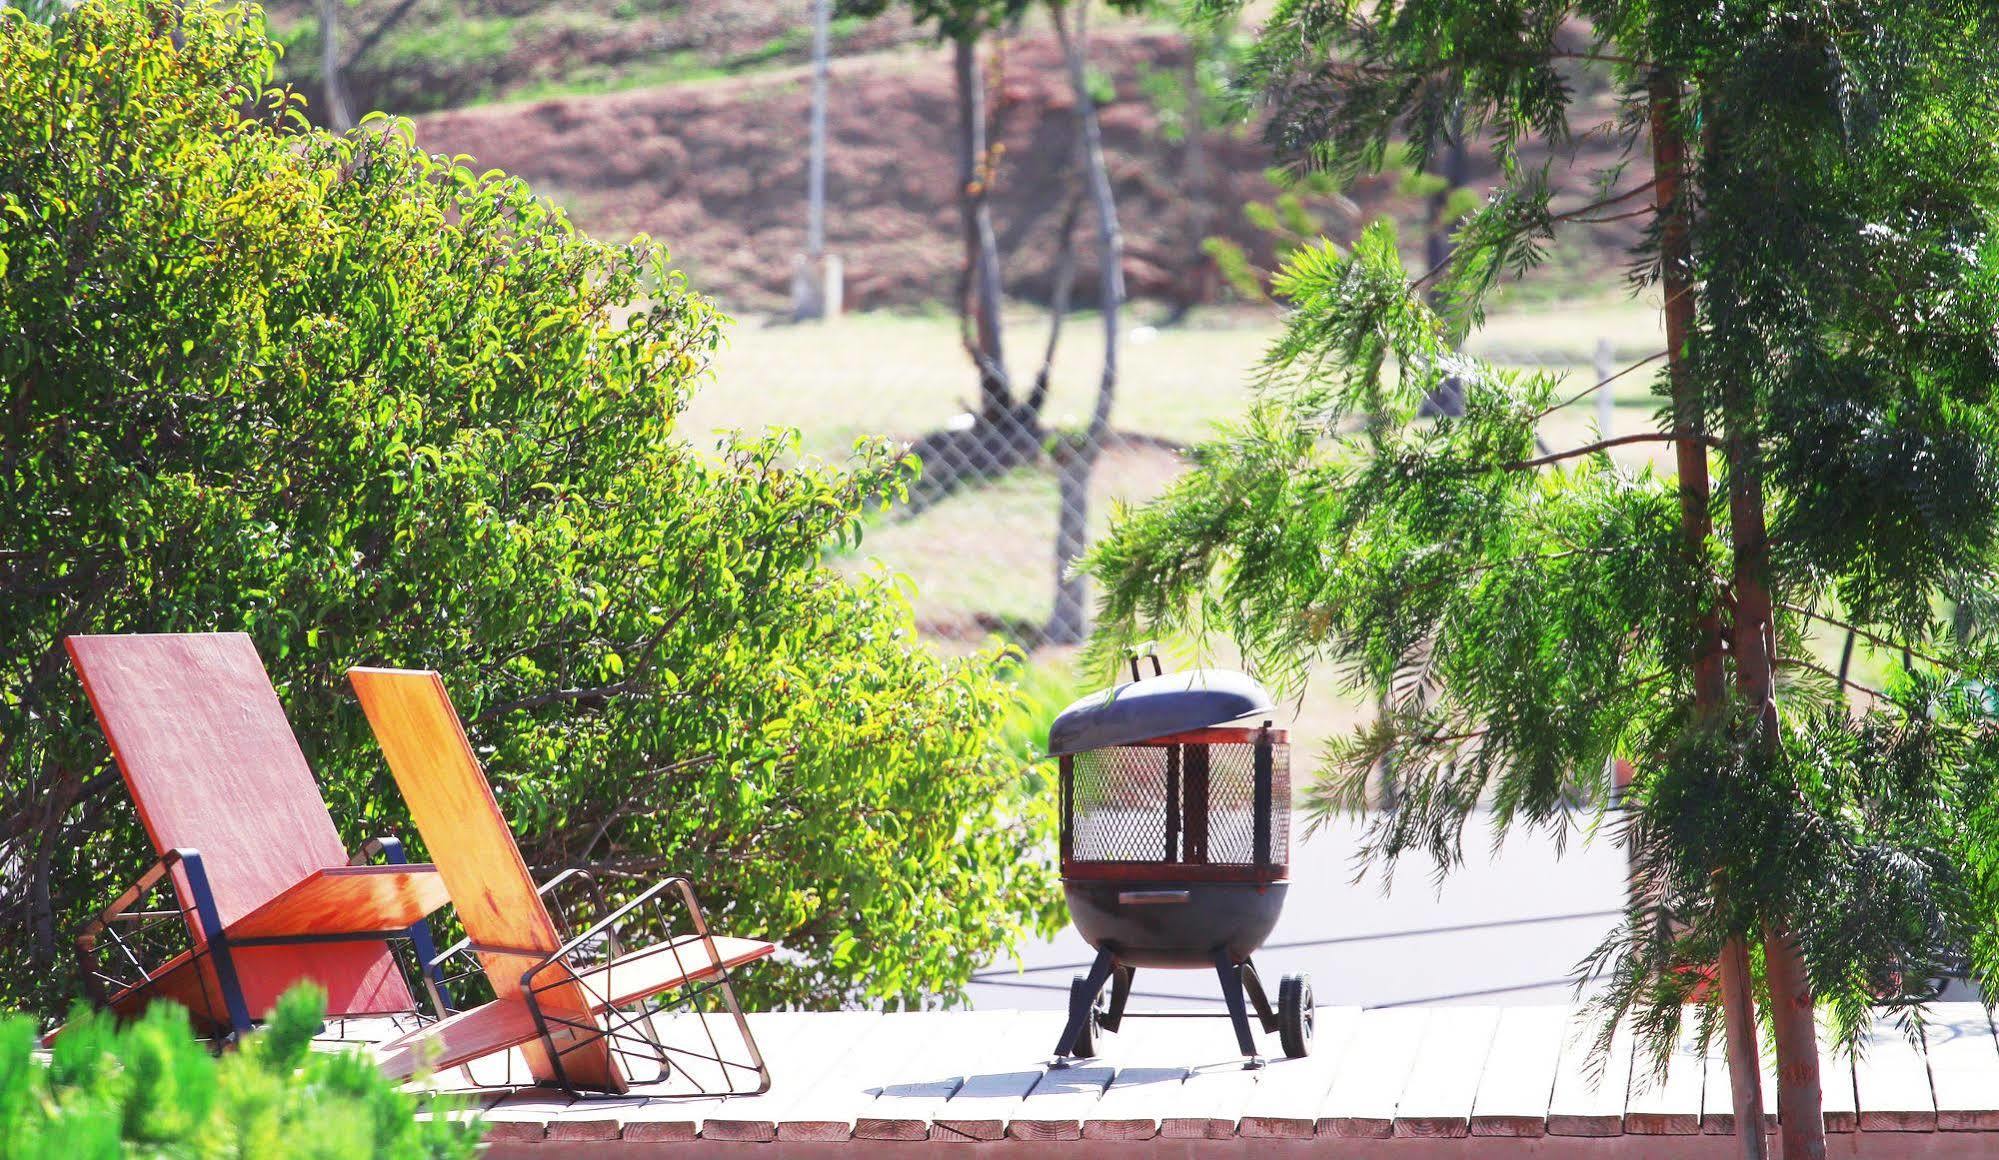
<point x="468" y="839"/>
<point x="211" y="763"/>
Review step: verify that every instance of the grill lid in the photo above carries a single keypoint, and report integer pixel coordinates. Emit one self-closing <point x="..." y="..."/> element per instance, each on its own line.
<point x="1155" y="707"/>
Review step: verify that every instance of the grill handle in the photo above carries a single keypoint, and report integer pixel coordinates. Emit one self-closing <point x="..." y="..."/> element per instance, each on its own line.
<point x="1147" y="651"/>
<point x="1151" y="897"/>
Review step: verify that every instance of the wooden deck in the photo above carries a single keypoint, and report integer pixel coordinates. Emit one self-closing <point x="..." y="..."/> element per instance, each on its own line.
<point x="1409" y="1082"/>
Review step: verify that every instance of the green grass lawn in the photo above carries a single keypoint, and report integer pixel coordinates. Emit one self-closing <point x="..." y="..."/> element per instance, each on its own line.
<point x="982" y="560"/>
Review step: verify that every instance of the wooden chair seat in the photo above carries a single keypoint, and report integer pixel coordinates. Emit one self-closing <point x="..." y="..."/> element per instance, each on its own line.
<point x="347" y="900"/>
<point x="507" y="1023"/>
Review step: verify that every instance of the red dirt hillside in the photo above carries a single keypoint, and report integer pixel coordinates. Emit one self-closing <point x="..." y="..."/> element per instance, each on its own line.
<point x="716" y="169"/>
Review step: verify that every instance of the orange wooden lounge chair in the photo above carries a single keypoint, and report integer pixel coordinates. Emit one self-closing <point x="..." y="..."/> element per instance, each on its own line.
<point x="581" y="1007"/>
<point x="264" y="895"/>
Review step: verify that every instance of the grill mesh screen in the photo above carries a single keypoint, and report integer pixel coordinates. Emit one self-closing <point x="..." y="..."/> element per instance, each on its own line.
<point x="1123" y="799"/>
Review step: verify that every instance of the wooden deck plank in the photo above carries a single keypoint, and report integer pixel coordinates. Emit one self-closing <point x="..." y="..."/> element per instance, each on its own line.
<point x="1059" y="1103"/>
<point x="1589" y="1093"/>
<point x="1165" y="1080"/>
<point x="789" y="1046"/>
<point x="1373" y="1065"/>
<point x="997" y="1084"/>
<point x="1437" y="1097"/>
<point x="1718" y="1090"/>
<point x="906" y="1093"/>
<point x="1213" y="1089"/>
<point x="522" y="1117"/>
<point x="820" y="1048"/>
<point x="1211" y="1103"/>
<point x="1836" y="1086"/>
<point x="996" y="1077"/>
<point x="1284" y="1103"/>
<point x="1891" y="1081"/>
<point x="1669" y="1104"/>
<point x="828" y="1109"/>
<point x="1151" y="1056"/>
<point x="1519" y="1077"/>
<point x="1964" y="1067"/>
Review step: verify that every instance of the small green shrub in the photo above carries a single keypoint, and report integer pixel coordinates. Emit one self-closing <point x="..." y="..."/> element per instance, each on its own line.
<point x="149" y="1088"/>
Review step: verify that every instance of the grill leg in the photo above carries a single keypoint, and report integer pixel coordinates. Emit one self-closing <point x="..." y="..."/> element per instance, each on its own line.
<point x="1079" y="1004"/>
<point x="1120" y="993"/>
<point x="1259" y="1000"/>
<point x="1231" y="980"/>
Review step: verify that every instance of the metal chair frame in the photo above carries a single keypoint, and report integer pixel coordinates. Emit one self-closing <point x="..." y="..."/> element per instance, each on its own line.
<point x="628" y="1031"/>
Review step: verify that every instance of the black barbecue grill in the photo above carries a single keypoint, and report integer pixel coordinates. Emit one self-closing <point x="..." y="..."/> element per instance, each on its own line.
<point x="1176" y="843"/>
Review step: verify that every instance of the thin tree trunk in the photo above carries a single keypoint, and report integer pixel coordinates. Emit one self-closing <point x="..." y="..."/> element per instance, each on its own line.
<point x="1059" y="294"/>
<point x="1453" y="167"/>
<point x="981" y="250"/>
<point x="1669" y="156"/>
<point x="1800" y="1104"/>
<point x="1800" y="1094"/>
<point x="1194" y="179"/>
<point x="337" y="113"/>
<point x="1069" y="620"/>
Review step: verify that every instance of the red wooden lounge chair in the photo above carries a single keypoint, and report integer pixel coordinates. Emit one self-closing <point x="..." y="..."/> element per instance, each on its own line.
<point x="579" y="1007"/>
<point x="262" y="885"/>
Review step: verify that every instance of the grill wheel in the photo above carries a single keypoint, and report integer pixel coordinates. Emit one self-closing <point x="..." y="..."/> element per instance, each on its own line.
<point x="1294" y="1015"/>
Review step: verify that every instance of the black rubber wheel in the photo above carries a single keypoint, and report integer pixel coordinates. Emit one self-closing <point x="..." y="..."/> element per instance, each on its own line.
<point x="1294" y="1015"/>
<point x="1085" y="1046"/>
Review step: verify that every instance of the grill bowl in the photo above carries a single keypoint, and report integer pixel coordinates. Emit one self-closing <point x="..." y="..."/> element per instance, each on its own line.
<point x="1178" y="925"/>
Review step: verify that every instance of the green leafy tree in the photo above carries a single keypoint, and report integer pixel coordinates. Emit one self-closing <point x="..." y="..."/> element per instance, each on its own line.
<point x="149" y="1088"/>
<point x="372" y="407"/>
<point x="1821" y="190"/>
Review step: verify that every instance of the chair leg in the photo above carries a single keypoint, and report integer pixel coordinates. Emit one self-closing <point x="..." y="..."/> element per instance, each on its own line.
<point x="1231" y="980"/>
<point x="420" y="940"/>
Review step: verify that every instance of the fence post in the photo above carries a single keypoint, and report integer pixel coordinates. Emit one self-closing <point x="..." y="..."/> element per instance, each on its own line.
<point x="1606" y="397"/>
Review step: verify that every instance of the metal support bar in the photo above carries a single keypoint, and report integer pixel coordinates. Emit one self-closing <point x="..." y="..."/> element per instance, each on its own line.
<point x="1081" y="1002"/>
<point x="1263" y="778"/>
<point x="1231" y="980"/>
<point x="1259" y="999"/>
<point x="1120" y="995"/>
<point x="425" y="947"/>
<point x="631" y="1033"/>
<point x="217" y="942"/>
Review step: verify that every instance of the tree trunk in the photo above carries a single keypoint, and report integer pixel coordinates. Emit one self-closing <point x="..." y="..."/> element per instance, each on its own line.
<point x="1070" y="618"/>
<point x="1060" y="291"/>
<point x="981" y="251"/>
<point x="337" y="113"/>
<point x="1800" y="1094"/>
<point x="1669" y="156"/>
<point x="1194" y="284"/>
<point x="1454" y="168"/>
<point x="1800" y="1108"/>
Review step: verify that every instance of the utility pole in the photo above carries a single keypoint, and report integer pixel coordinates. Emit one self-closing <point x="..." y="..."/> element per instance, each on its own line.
<point x="816" y="282"/>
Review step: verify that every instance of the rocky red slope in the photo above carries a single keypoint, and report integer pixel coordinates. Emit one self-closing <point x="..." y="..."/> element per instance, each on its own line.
<point x="717" y="171"/>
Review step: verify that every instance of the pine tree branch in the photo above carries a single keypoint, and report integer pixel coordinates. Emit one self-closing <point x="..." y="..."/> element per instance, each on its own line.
<point x="1871" y="638"/>
<point x="1616" y="217"/>
<point x="1800" y="663"/>
<point x="1576" y="214"/>
<point x="1586" y="392"/>
<point x="1606" y="444"/>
